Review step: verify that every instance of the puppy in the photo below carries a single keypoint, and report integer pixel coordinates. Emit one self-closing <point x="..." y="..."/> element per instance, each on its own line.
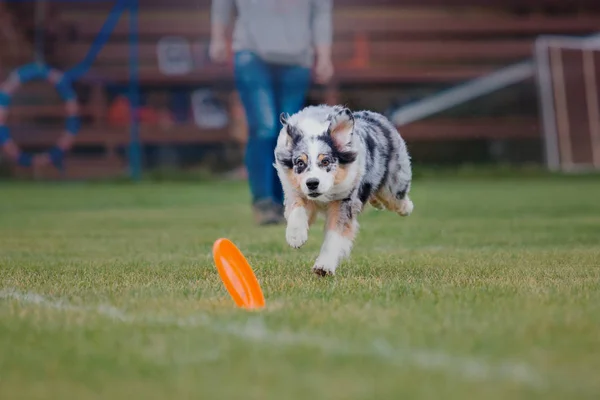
<point x="333" y="161"/>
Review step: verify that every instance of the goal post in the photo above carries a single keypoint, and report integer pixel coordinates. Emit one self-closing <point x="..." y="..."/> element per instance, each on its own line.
<point x="568" y="76"/>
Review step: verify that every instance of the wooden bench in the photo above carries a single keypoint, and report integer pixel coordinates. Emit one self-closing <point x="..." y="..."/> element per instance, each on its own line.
<point x="373" y="44"/>
<point x="14" y="48"/>
<point x="379" y="44"/>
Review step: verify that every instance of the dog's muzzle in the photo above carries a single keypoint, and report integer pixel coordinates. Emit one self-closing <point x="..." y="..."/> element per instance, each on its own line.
<point x="312" y="185"/>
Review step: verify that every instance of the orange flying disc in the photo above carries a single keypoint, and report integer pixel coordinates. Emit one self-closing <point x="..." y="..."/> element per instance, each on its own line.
<point x="237" y="275"/>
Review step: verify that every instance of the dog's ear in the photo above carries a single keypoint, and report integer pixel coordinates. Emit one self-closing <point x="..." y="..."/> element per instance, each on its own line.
<point x="292" y="132"/>
<point x="293" y="135"/>
<point x="341" y="128"/>
<point x="283" y="118"/>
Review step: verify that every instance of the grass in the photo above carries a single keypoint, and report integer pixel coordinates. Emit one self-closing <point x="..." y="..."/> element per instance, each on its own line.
<point x="491" y="289"/>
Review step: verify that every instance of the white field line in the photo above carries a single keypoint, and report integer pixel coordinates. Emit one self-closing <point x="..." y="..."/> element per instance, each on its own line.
<point x="255" y="330"/>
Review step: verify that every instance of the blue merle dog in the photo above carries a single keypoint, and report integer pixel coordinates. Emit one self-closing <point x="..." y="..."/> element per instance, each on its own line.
<point x="333" y="161"/>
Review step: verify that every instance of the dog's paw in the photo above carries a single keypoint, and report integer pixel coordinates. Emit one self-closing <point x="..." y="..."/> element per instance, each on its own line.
<point x="296" y="234"/>
<point x="406" y="207"/>
<point x="323" y="271"/>
<point x="324" y="267"/>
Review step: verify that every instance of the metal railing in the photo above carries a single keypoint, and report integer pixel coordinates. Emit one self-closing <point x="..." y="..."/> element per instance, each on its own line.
<point x="467" y="91"/>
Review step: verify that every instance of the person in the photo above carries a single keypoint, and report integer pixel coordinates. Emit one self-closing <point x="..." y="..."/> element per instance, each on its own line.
<point x="276" y="44"/>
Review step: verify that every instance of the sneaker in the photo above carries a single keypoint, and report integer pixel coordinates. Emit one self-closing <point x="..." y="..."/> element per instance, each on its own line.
<point x="279" y="210"/>
<point x="266" y="212"/>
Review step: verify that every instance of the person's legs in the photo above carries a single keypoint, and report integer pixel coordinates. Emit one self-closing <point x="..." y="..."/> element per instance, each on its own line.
<point x="291" y="84"/>
<point x="255" y="85"/>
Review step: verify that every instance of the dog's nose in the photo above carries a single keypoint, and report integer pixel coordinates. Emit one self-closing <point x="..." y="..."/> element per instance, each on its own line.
<point x="312" y="184"/>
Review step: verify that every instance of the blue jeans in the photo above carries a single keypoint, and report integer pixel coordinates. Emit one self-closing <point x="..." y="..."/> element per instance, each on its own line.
<point x="267" y="90"/>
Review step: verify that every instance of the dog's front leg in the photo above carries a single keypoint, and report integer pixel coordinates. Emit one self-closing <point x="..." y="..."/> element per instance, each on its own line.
<point x="341" y="230"/>
<point x="300" y="215"/>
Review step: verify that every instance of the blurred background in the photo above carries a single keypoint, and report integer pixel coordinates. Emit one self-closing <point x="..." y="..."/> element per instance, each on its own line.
<point x="466" y="82"/>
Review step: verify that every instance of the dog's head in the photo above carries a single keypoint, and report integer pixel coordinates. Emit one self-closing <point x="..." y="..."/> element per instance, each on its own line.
<point x="318" y="155"/>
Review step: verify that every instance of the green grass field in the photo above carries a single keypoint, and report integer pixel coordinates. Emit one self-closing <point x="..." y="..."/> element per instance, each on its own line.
<point x="491" y="289"/>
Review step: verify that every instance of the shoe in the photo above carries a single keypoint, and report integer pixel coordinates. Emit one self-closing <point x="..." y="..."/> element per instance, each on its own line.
<point x="279" y="210"/>
<point x="266" y="212"/>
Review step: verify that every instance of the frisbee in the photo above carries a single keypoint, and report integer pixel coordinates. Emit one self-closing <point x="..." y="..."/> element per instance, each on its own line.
<point x="237" y="275"/>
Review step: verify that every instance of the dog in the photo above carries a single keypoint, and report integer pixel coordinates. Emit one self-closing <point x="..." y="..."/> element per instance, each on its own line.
<point x="333" y="161"/>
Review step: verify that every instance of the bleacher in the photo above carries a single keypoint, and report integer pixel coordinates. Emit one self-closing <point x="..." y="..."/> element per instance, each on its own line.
<point x="378" y="44"/>
<point x="14" y="49"/>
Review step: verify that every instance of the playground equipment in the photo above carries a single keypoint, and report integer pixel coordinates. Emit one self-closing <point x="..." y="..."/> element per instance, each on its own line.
<point x="63" y="82"/>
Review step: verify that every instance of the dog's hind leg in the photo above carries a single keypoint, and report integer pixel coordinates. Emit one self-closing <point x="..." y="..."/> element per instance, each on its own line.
<point x="376" y="203"/>
<point x="396" y="199"/>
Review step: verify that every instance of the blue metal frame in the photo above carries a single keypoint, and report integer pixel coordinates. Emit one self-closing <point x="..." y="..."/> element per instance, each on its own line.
<point x="135" y="164"/>
<point x="36" y="71"/>
<point x="135" y="158"/>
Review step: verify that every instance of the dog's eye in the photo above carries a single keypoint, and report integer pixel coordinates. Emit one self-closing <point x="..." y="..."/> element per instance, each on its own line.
<point x="325" y="162"/>
<point x="300" y="163"/>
